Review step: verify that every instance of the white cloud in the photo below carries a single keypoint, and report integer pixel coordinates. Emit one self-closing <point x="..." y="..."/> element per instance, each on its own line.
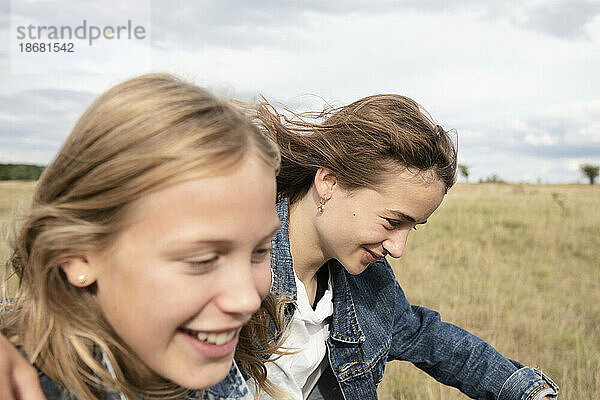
<point x="517" y="79"/>
<point x="540" y="138"/>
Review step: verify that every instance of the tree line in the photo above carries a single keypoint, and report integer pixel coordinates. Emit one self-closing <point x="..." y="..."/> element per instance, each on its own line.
<point x="26" y="172"/>
<point x="20" y="172"/>
<point x="589" y="170"/>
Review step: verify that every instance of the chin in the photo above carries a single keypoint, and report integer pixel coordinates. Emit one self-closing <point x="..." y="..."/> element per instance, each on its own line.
<point x="203" y="377"/>
<point x="202" y="381"/>
<point x="355" y="267"/>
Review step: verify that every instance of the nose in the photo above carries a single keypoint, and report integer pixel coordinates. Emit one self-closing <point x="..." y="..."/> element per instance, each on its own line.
<point x="395" y="243"/>
<point x="239" y="293"/>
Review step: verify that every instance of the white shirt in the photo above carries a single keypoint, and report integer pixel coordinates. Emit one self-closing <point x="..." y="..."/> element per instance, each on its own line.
<point x="297" y="373"/>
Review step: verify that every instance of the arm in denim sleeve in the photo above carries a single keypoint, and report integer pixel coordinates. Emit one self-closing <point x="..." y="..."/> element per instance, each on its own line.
<point x="457" y="358"/>
<point x="539" y="385"/>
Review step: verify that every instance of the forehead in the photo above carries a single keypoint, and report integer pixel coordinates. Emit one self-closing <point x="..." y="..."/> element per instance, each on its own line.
<point x="236" y="204"/>
<point x="416" y="195"/>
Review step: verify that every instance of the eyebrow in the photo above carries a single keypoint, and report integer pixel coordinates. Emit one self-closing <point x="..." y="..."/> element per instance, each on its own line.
<point x="223" y="243"/>
<point x="401" y="215"/>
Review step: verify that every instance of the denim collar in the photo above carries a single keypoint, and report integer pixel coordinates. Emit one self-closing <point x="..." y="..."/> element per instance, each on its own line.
<point x="232" y="387"/>
<point x="108" y="367"/>
<point x="344" y="325"/>
<point x="56" y="390"/>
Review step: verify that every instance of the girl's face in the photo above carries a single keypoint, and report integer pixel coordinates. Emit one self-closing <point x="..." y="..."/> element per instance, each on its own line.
<point x="189" y="270"/>
<point x="359" y="227"/>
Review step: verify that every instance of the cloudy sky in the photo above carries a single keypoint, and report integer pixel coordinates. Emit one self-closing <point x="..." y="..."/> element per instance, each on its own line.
<point x="517" y="80"/>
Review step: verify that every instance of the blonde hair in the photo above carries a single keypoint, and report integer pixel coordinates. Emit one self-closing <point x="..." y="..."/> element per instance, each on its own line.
<point x="140" y="136"/>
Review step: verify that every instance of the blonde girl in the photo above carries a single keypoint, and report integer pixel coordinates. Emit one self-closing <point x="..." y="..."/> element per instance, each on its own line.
<point x="143" y="261"/>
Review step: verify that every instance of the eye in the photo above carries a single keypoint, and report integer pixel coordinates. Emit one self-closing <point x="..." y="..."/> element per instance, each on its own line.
<point x="261" y="255"/>
<point x="395" y="224"/>
<point x="392" y="224"/>
<point x="203" y="265"/>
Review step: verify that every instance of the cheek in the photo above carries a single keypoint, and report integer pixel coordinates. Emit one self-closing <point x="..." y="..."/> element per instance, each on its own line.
<point x="367" y="231"/>
<point x="119" y="295"/>
<point x="127" y="308"/>
<point x="262" y="279"/>
<point x="141" y="301"/>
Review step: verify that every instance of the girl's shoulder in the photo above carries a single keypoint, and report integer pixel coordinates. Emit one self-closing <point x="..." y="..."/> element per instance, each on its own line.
<point x="52" y="390"/>
<point x="55" y="391"/>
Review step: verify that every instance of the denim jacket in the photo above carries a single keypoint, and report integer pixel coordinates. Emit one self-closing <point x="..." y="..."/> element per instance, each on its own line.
<point x="232" y="387"/>
<point x="374" y="323"/>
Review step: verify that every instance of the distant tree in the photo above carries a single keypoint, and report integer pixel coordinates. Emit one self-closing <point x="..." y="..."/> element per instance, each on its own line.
<point x="464" y="171"/>
<point x="591" y="171"/>
<point x="22" y="172"/>
<point x="494" y="178"/>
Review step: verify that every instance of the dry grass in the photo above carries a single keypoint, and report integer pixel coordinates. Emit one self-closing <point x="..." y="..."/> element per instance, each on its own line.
<point x="518" y="265"/>
<point x="14" y="195"/>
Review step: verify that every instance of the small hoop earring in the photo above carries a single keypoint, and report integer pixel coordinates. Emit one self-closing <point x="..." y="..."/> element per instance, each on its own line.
<point x="82" y="279"/>
<point x="321" y="205"/>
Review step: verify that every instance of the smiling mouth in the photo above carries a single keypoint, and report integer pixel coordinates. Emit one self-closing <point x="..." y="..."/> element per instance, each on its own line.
<point x="217" y="338"/>
<point x="377" y="256"/>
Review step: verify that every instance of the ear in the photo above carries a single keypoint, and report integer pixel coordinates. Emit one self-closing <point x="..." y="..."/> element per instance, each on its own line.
<point x="78" y="270"/>
<point x="325" y="183"/>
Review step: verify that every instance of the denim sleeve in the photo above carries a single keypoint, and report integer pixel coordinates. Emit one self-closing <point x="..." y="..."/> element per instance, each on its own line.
<point x="537" y="383"/>
<point x="457" y="358"/>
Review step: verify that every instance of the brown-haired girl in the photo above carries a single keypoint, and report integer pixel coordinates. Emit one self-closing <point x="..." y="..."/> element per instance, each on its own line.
<point x="354" y="182"/>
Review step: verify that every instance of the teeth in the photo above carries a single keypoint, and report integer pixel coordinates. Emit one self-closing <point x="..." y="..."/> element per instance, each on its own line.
<point x="216" y="338"/>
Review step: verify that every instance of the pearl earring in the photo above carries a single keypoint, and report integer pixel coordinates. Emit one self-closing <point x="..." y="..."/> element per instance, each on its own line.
<point x="82" y="279"/>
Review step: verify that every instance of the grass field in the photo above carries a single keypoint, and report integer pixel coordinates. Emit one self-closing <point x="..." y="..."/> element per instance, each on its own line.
<point x="13" y="196"/>
<point x="518" y="265"/>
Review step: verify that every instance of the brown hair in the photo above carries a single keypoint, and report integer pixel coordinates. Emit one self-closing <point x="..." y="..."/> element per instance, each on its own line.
<point x="359" y="142"/>
<point x="140" y="136"/>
